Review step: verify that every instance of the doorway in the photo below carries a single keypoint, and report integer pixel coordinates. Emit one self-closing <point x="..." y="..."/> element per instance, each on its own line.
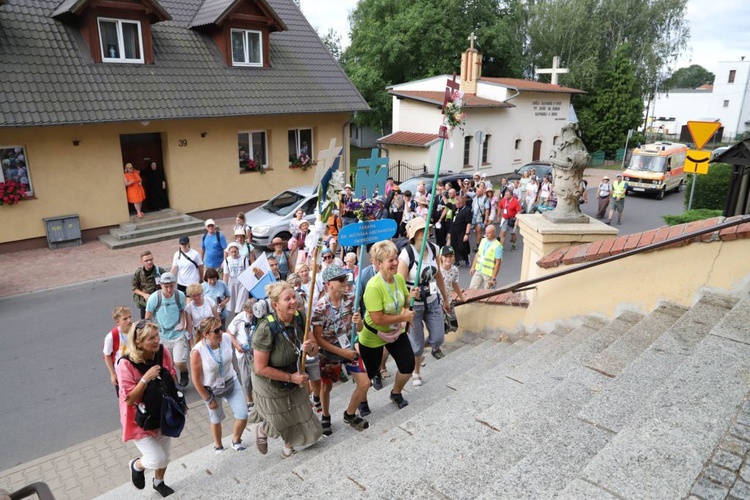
<point x="537" y="152"/>
<point x="141" y="150"/>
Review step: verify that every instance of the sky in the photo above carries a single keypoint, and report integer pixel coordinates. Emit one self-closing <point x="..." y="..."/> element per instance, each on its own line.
<point x="718" y="28"/>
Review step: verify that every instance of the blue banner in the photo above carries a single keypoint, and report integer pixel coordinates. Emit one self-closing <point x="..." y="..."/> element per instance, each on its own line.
<point x="366" y="232"/>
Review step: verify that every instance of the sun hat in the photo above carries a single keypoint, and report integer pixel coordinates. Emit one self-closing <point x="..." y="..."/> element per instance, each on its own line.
<point x="333" y="272"/>
<point x="413" y="226"/>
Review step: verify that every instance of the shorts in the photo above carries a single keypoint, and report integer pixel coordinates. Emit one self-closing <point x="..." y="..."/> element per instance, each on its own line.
<point x="617" y="205"/>
<point x="236" y="401"/>
<point x="400" y="350"/>
<point x="505" y="225"/>
<point x="430" y="315"/>
<point x="155" y="451"/>
<point x="178" y="348"/>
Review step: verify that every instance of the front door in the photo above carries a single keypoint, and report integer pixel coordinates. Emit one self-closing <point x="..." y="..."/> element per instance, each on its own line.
<point x="141" y="150"/>
<point x="537" y="153"/>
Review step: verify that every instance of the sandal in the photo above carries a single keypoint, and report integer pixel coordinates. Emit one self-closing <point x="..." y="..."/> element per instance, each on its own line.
<point x="416" y="380"/>
<point x="358" y="423"/>
<point x="261" y="442"/>
<point x="316" y="404"/>
<point x="384" y="373"/>
<point x="326" y="423"/>
<point x="284" y="454"/>
<point x="437" y="353"/>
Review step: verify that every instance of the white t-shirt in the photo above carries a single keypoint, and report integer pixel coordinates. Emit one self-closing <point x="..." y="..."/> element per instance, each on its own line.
<point x="429" y="269"/>
<point x="531" y="190"/>
<point x="237" y="329"/>
<point x="198" y="313"/>
<point x="187" y="273"/>
<point x="109" y="345"/>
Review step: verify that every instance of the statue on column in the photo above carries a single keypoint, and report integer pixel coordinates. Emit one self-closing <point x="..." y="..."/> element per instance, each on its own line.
<point x="569" y="160"/>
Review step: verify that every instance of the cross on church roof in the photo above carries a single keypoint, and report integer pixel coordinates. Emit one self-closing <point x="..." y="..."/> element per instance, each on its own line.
<point x="471" y="39"/>
<point x="554" y="70"/>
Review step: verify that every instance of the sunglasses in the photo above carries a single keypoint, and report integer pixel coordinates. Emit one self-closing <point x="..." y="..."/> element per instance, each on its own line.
<point x="141" y="324"/>
<point x="217" y="330"/>
<point x="327" y="257"/>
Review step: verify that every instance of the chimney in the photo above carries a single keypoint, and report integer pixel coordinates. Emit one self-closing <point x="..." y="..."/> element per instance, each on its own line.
<point x="471" y="68"/>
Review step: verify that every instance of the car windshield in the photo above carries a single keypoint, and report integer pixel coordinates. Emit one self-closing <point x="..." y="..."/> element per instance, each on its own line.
<point x="283" y="204"/>
<point x="647" y="163"/>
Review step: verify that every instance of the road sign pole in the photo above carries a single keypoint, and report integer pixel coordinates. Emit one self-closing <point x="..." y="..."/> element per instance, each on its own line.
<point x="692" y="190"/>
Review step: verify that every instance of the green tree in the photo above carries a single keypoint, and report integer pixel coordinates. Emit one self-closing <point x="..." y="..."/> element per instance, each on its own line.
<point x="332" y="41"/>
<point x="614" y="106"/>
<point x="689" y="78"/>
<point x="393" y="41"/>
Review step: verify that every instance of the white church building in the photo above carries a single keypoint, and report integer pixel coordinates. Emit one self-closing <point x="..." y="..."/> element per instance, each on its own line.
<point x="509" y="123"/>
<point x="726" y="101"/>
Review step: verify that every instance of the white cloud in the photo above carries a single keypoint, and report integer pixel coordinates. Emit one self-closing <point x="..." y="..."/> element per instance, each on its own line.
<point x="325" y="14"/>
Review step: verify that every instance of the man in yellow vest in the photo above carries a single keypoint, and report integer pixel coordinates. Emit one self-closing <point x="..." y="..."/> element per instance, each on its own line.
<point x="487" y="261"/>
<point x="617" y="202"/>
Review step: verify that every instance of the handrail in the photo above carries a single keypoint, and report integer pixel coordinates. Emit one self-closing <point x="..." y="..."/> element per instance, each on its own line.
<point x="653" y="246"/>
<point x="39" y="489"/>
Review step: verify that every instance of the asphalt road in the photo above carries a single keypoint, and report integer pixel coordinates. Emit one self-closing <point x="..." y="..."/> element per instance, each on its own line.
<point x="55" y="389"/>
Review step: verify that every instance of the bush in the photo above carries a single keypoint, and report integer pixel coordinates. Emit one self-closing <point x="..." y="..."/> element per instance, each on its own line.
<point x="691" y="216"/>
<point x="711" y="189"/>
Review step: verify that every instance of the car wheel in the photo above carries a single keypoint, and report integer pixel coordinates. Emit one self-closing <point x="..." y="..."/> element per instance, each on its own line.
<point x="660" y="195"/>
<point x="678" y="188"/>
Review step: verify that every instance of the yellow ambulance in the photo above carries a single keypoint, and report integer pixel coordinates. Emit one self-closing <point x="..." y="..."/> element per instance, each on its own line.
<point x="656" y="168"/>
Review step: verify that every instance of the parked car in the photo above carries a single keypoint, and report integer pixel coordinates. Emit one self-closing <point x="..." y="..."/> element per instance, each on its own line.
<point x="272" y="218"/>
<point x="542" y="168"/>
<point x="452" y="177"/>
<point x="716" y="152"/>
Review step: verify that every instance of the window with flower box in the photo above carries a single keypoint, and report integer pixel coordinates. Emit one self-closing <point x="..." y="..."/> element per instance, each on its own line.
<point x="15" y="168"/>
<point x="252" y="147"/>
<point x="300" y="145"/>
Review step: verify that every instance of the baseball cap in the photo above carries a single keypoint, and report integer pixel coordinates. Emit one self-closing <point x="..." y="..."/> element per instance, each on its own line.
<point x="184" y="240"/>
<point x="334" y="271"/>
<point x="239" y="232"/>
<point x="233" y="244"/>
<point x="618" y="175"/>
<point x="447" y="250"/>
<point x="413" y="226"/>
<point x="167" y="278"/>
<point x="210" y="222"/>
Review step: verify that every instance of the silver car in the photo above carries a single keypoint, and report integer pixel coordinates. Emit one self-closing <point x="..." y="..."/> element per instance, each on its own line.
<point x="273" y="217"/>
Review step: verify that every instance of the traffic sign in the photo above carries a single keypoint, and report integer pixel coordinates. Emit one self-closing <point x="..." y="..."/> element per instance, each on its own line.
<point x="696" y="162"/>
<point x="701" y="132"/>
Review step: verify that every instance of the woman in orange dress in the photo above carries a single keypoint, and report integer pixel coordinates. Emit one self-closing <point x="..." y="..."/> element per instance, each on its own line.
<point x="134" y="188"/>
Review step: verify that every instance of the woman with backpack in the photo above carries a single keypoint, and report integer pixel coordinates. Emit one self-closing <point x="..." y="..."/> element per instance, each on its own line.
<point x="215" y="379"/>
<point x="143" y="362"/>
<point x="282" y="406"/>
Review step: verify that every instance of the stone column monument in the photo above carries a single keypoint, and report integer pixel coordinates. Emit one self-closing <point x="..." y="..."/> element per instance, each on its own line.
<point x="569" y="160"/>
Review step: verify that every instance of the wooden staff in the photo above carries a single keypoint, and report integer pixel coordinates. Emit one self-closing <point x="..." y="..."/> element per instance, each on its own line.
<point x="309" y="308"/>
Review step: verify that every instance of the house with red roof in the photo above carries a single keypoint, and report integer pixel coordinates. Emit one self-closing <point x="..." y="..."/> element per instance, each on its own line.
<point x="509" y="121"/>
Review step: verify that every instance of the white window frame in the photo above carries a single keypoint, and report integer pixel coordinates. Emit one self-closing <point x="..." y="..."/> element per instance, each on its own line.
<point x="3" y="150"/>
<point x="486" y="158"/>
<point x="250" y="143"/>
<point x="120" y="41"/>
<point x="247" y="52"/>
<point x="467" y="151"/>
<point x="299" y="141"/>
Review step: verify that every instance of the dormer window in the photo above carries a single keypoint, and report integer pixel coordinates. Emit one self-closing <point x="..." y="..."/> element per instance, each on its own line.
<point x="247" y="48"/>
<point x="121" y="41"/>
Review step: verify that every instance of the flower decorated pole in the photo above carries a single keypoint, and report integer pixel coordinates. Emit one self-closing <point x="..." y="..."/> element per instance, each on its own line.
<point x="453" y="117"/>
<point x="330" y="182"/>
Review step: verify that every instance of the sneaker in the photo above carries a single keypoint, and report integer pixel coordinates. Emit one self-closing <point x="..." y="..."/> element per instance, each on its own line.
<point x="325" y="421"/>
<point x="619" y="222"/>
<point x="239" y="446"/>
<point x="357" y="422"/>
<point x="512" y="247"/>
<point x="364" y="409"/>
<point x="163" y="489"/>
<point x="416" y="380"/>
<point x="377" y="382"/>
<point x="287" y="454"/>
<point x="218" y="450"/>
<point x="399" y="400"/>
<point x="250" y="406"/>
<point x="137" y="476"/>
<point x="183" y="382"/>
<point x="437" y="353"/>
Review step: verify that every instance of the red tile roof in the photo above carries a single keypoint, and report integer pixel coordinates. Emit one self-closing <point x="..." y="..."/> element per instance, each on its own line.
<point x="600" y="249"/>
<point x="530" y="85"/>
<point x="416" y="139"/>
<point x="434" y="97"/>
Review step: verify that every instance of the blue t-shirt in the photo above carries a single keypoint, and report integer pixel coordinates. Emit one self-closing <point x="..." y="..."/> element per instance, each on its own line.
<point x="168" y="315"/>
<point x="217" y="293"/>
<point x="214" y="249"/>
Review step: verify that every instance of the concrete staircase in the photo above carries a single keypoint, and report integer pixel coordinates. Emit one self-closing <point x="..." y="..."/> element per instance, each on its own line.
<point x="164" y="225"/>
<point x="635" y="407"/>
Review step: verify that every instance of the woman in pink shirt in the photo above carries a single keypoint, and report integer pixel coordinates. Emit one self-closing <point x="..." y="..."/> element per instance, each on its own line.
<point x="143" y="349"/>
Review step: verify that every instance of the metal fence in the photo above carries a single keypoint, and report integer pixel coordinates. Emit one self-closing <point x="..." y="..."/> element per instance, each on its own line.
<point x="400" y="171"/>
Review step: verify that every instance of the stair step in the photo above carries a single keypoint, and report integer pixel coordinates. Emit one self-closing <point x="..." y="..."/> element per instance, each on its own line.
<point x="613" y="407"/>
<point x="115" y="244"/>
<point x="179" y="223"/>
<point x="622" y="352"/>
<point x="675" y="431"/>
<point x="160" y="221"/>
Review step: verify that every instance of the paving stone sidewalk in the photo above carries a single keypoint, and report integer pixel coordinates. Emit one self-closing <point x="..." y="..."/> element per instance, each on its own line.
<point x="98" y="465"/>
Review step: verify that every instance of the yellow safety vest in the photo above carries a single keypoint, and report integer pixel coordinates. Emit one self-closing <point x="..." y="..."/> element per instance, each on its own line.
<point x="618" y="189"/>
<point x="486" y="257"/>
